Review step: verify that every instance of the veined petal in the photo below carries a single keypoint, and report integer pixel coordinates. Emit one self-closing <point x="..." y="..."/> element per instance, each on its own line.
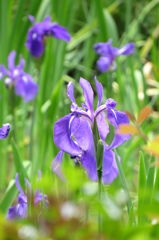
<point x="115" y="118"/>
<point x="26" y="87"/>
<point x="62" y="136"/>
<point x="127" y="49"/>
<point x="111" y="172"/>
<point x="60" y="32"/>
<point x="56" y="165"/>
<point x="83" y="136"/>
<point x="99" y="91"/>
<point x="11" y="60"/>
<point x="4" y="131"/>
<point x="103" y="127"/>
<point x="88" y="95"/>
<point x="70" y="92"/>
<point x="104" y="63"/>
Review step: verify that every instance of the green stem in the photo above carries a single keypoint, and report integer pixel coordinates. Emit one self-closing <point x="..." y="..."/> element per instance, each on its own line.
<point x="32" y="130"/>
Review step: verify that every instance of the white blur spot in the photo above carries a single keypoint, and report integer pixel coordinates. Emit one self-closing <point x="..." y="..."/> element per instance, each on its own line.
<point x="1" y="75"/>
<point x="15" y="73"/>
<point x="25" y="79"/>
<point x="34" y="36"/>
<point x="154" y="221"/>
<point x="8" y="82"/>
<point x="69" y="210"/>
<point x="28" y="232"/>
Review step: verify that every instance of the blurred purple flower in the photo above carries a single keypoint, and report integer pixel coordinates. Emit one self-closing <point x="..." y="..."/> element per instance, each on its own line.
<point x="4" y="131"/>
<point x="40" y="30"/>
<point x="23" y="82"/>
<point x="73" y="133"/>
<point x="109" y="53"/>
<point x="20" y="209"/>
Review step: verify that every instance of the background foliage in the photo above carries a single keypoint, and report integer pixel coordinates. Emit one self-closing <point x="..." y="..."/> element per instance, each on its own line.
<point x="30" y="145"/>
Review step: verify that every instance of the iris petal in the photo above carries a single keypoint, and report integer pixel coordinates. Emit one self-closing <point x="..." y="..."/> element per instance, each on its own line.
<point x="62" y="137"/>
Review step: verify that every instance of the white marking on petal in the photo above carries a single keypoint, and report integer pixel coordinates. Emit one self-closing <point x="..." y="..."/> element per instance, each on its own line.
<point x="114" y="114"/>
<point x="15" y="73"/>
<point x="34" y="36"/>
<point x="25" y="79"/>
<point x="8" y="82"/>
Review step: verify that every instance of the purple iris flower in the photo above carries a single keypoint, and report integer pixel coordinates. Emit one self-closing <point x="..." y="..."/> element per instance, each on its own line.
<point x="40" y="30"/>
<point x="24" y="85"/>
<point x="4" y="131"/>
<point x="73" y="133"/>
<point x="20" y="209"/>
<point x="109" y="53"/>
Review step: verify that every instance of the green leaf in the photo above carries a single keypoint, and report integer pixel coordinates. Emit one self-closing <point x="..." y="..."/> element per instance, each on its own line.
<point x="141" y="184"/>
<point x="8" y="197"/>
<point x="19" y="164"/>
<point x="111" y="27"/>
<point x="123" y="182"/>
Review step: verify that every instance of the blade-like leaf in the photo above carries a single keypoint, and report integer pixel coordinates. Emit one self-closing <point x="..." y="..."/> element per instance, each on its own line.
<point x="19" y="164"/>
<point x="141" y="185"/>
<point x="8" y="197"/>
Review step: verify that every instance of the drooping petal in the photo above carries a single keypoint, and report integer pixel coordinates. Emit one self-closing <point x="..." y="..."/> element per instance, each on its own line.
<point x="127" y="49"/>
<point x="103" y="127"/>
<point x="11" y="60"/>
<point x="110" y="170"/>
<point x="26" y="87"/>
<point x="89" y="163"/>
<point x="17" y="211"/>
<point x="37" y="46"/>
<point x="70" y="92"/>
<point x="62" y="136"/>
<point x="99" y="91"/>
<point x="88" y="95"/>
<point x="4" y="131"/>
<point x="115" y="118"/>
<point x="57" y="167"/>
<point x="104" y="63"/>
<point x="60" y="32"/>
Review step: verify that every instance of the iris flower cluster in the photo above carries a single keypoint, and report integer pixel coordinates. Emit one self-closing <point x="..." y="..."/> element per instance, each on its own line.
<point x="39" y="31"/>
<point x="108" y="54"/>
<point x="73" y="133"/>
<point x="23" y="83"/>
<point x="21" y="208"/>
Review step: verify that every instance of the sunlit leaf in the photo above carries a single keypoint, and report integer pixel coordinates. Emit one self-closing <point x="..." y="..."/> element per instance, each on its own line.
<point x="127" y="129"/>
<point x="144" y="113"/>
